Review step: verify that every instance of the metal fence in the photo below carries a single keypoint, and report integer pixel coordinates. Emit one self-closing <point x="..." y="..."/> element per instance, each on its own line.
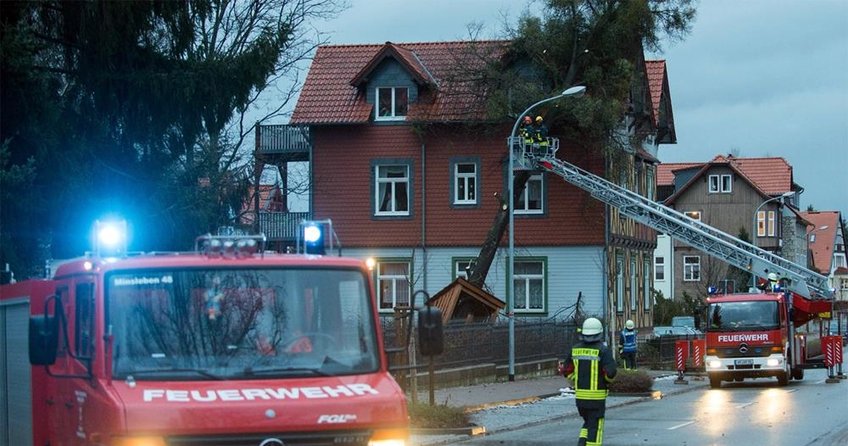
<point x="478" y="343"/>
<point x="469" y="344"/>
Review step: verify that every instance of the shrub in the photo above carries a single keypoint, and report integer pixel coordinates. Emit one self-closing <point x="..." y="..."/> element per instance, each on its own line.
<point x="631" y="381"/>
<point x="423" y="415"/>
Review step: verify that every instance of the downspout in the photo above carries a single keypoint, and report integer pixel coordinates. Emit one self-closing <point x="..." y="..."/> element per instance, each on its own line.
<point x="423" y="214"/>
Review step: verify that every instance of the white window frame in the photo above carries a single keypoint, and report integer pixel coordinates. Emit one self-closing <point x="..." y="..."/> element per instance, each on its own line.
<point x="659" y="269"/>
<point x="695" y="215"/>
<point x="619" y="284"/>
<point x="522" y="303"/>
<point x="691" y="268"/>
<point x="459" y="268"/>
<point x="391" y="183"/>
<point x="772" y="223"/>
<point x="393" y="281"/>
<point x="394" y="116"/>
<point x="650" y="187"/>
<point x="726" y="186"/>
<point x="713" y="184"/>
<point x="634" y="289"/>
<point x="522" y="204"/>
<point x="466" y="179"/>
<point x="761" y="223"/>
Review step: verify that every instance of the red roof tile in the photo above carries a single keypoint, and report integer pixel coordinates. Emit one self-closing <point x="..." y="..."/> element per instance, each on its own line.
<point x="665" y="172"/>
<point x="655" y="70"/>
<point x="770" y="176"/>
<point x="328" y="97"/>
<point x="822" y="247"/>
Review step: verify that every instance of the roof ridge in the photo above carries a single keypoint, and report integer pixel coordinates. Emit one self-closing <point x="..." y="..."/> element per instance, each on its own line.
<point x="401" y="44"/>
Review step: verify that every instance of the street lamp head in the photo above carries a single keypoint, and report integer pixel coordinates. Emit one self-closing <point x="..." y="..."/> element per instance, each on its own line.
<point x="787" y="194"/>
<point x="576" y="90"/>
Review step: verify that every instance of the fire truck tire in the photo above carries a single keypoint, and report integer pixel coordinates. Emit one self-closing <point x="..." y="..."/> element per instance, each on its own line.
<point x="783" y="378"/>
<point x="715" y="382"/>
<point x="798" y="374"/>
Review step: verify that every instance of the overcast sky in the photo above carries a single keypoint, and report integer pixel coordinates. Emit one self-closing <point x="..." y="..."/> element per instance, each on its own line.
<point x="759" y="77"/>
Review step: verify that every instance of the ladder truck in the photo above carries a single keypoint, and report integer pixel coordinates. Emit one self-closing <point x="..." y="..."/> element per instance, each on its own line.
<point x="768" y="344"/>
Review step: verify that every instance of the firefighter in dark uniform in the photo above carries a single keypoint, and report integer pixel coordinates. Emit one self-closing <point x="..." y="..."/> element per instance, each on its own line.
<point x="591" y="367"/>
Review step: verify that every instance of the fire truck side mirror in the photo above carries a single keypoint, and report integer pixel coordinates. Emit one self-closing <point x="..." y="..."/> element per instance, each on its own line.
<point x="430" y="331"/>
<point x="43" y="339"/>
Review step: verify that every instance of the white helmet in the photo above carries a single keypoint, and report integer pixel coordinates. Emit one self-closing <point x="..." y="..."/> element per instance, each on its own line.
<point x="629" y="325"/>
<point x="772" y="277"/>
<point x="592" y="327"/>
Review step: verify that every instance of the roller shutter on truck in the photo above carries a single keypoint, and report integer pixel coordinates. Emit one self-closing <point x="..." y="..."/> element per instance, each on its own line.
<point x="15" y="377"/>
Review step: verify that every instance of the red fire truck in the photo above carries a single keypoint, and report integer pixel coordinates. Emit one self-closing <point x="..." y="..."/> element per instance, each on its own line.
<point x="227" y="345"/>
<point x="754" y="335"/>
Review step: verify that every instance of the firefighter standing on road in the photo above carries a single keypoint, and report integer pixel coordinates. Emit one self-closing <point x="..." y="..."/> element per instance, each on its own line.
<point x="590" y="367"/>
<point x="627" y="345"/>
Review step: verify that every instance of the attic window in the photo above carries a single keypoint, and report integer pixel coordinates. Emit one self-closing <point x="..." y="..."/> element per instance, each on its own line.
<point x="392" y="103"/>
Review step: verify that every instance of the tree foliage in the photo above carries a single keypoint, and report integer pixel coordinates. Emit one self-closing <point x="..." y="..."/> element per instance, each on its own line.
<point x="594" y="43"/>
<point x="137" y="108"/>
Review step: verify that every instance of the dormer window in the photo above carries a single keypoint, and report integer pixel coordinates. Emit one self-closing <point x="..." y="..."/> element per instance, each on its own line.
<point x="720" y="184"/>
<point x="392" y="103"/>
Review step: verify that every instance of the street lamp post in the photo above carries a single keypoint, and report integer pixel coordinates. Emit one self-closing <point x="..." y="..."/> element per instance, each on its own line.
<point x="754" y="232"/>
<point x="510" y="306"/>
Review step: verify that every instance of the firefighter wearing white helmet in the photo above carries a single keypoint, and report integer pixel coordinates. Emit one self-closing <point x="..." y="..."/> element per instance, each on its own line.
<point x="773" y="282"/>
<point x="590" y="367"/>
<point x="627" y="344"/>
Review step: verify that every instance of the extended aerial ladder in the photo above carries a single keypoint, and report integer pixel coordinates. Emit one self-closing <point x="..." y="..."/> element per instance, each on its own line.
<point x="725" y="247"/>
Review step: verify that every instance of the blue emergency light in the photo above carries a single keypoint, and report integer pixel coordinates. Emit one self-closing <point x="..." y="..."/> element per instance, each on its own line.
<point x="313" y="238"/>
<point x="110" y="238"/>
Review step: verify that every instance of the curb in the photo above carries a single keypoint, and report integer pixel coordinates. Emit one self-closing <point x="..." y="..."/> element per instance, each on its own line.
<point x="468" y="430"/>
<point x="483" y="430"/>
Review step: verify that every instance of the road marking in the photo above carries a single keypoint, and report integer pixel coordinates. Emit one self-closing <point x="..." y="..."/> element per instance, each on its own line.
<point x="742" y="406"/>
<point x="791" y="390"/>
<point x="680" y="425"/>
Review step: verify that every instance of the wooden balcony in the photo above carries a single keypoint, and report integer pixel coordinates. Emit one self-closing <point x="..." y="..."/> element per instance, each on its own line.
<point x="289" y="142"/>
<point x="281" y="226"/>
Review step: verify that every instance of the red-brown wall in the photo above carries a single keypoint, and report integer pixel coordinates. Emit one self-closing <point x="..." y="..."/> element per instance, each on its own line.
<point x="342" y="182"/>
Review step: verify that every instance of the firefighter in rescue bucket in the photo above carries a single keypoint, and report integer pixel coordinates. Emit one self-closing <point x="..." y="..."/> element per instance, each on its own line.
<point x="527" y="132"/>
<point x="627" y="345"/>
<point x="590" y="367"/>
<point x="540" y="134"/>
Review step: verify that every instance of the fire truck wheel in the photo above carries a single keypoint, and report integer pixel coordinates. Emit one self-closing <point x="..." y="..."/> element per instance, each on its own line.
<point x="715" y="382"/>
<point x="783" y="378"/>
<point x="798" y="374"/>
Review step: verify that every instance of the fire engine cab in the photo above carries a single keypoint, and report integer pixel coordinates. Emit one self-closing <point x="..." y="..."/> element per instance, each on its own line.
<point x="753" y="335"/>
<point x="226" y="345"/>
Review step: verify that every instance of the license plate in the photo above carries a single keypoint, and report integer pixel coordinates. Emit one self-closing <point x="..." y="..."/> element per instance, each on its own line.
<point x="743" y="362"/>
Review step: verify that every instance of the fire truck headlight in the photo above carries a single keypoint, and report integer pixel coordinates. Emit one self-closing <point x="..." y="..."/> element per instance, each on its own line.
<point x="390" y="437"/>
<point x="715" y="364"/>
<point x="772" y="362"/>
<point x="138" y="441"/>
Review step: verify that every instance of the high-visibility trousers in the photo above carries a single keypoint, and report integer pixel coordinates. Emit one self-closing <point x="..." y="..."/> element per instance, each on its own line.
<point x="592" y="432"/>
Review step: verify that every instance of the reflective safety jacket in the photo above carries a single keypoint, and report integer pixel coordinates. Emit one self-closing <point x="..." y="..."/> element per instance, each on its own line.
<point x="628" y="340"/>
<point x="590" y="366"/>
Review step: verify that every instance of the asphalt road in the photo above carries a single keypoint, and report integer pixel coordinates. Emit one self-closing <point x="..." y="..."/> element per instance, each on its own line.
<point x="750" y="413"/>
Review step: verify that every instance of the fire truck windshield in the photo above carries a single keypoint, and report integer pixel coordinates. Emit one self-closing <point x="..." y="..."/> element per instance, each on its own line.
<point x="201" y="324"/>
<point x="743" y="316"/>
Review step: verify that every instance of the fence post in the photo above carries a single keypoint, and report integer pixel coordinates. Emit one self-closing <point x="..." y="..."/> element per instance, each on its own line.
<point x="681" y="354"/>
<point x="401" y="319"/>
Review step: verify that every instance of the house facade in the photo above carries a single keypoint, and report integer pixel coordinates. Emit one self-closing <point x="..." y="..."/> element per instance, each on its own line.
<point x="750" y="198"/>
<point x="406" y="163"/>
<point x="825" y="238"/>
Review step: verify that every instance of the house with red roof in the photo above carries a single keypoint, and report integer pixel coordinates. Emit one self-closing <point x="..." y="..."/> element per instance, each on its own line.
<point x="755" y="199"/>
<point x="826" y="242"/>
<point x="407" y="164"/>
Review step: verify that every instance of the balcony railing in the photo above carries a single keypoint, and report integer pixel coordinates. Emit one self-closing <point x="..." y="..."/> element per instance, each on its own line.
<point x="282" y="139"/>
<point x="281" y="225"/>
